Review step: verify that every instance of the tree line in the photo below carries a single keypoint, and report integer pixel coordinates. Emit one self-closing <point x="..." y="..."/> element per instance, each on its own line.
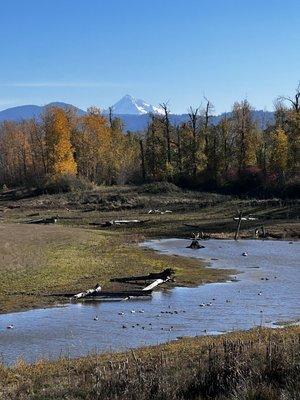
<point x="236" y="153"/>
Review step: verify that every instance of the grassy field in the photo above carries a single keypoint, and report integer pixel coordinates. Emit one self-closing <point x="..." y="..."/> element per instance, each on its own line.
<point x="191" y="211"/>
<point x="257" y="365"/>
<point x="72" y="255"/>
<point x="37" y="260"/>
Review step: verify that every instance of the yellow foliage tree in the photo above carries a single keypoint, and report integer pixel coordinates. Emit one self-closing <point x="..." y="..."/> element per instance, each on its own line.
<point x="60" y="153"/>
<point x="279" y="150"/>
<point x="92" y="143"/>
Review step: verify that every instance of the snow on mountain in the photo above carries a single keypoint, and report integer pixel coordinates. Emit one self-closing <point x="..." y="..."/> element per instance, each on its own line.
<point x="131" y="105"/>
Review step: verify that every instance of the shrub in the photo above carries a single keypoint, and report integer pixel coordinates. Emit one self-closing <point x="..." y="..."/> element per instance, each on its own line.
<point x="160" y="187"/>
<point x="67" y="183"/>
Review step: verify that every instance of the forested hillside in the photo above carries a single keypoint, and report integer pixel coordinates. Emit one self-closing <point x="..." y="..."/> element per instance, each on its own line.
<point x="235" y="154"/>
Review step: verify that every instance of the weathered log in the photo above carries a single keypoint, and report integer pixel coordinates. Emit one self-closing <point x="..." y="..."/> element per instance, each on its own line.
<point x="164" y="275"/>
<point x="155" y="283"/>
<point x="124" y="294"/>
<point x="89" y="293"/>
<point x="195" y="245"/>
<point x="119" y="222"/>
<point x="245" y="219"/>
<point x="52" y="220"/>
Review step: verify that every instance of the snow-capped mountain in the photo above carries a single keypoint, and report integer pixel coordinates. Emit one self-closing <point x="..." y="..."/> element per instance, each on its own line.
<point x="130" y="105"/>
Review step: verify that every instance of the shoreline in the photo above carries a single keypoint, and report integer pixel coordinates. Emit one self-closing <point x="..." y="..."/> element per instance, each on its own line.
<point x="218" y="293"/>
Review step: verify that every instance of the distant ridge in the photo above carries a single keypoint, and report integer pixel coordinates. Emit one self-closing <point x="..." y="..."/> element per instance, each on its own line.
<point x="20" y="113"/>
<point x="134" y="113"/>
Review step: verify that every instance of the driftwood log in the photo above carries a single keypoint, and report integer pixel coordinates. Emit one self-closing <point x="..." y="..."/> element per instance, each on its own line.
<point x="195" y="245"/>
<point x="120" y="222"/>
<point x="164" y="275"/>
<point x="52" y="220"/>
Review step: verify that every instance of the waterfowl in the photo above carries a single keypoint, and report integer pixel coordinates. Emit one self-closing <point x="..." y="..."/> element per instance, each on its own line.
<point x="96" y="318"/>
<point x="244" y="254"/>
<point x="11" y="326"/>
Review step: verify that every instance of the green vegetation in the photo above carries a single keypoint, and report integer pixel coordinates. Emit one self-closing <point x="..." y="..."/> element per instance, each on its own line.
<point x="257" y="365"/>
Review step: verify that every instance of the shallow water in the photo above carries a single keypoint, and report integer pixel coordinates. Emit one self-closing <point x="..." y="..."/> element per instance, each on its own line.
<point x="247" y="302"/>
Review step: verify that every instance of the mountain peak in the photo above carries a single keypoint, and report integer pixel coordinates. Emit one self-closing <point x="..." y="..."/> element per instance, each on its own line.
<point x="130" y="105"/>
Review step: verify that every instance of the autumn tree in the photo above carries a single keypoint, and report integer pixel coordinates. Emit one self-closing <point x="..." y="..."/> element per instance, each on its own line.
<point x="288" y="109"/>
<point x="246" y="135"/>
<point x="91" y="140"/>
<point x="60" y="152"/>
<point x="155" y="149"/>
<point x="279" y="152"/>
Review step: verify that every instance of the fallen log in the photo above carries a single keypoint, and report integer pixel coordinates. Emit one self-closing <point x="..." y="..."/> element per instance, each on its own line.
<point x="97" y="293"/>
<point x="52" y="220"/>
<point x="160" y="212"/>
<point x="105" y="294"/>
<point x="164" y="275"/>
<point x="119" y="222"/>
<point x="155" y="283"/>
<point x="195" y="245"/>
<point x="245" y="219"/>
<point x="122" y="294"/>
<point x="89" y="293"/>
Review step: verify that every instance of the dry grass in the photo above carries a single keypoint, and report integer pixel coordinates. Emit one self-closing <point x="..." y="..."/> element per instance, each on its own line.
<point x="256" y="365"/>
<point x="206" y="212"/>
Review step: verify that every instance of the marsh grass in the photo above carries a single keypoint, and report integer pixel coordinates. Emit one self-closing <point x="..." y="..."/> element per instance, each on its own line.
<point x="260" y="364"/>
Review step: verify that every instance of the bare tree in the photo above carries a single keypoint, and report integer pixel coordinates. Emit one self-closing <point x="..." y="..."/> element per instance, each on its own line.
<point x="207" y="116"/>
<point x="193" y="116"/>
<point x="294" y="101"/>
<point x="167" y="124"/>
<point x="143" y="159"/>
<point x="110" y="115"/>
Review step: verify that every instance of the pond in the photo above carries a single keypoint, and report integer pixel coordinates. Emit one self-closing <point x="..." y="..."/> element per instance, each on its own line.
<point x="264" y="292"/>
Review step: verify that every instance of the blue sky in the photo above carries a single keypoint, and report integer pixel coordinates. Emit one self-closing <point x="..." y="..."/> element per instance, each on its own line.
<point x="92" y="52"/>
